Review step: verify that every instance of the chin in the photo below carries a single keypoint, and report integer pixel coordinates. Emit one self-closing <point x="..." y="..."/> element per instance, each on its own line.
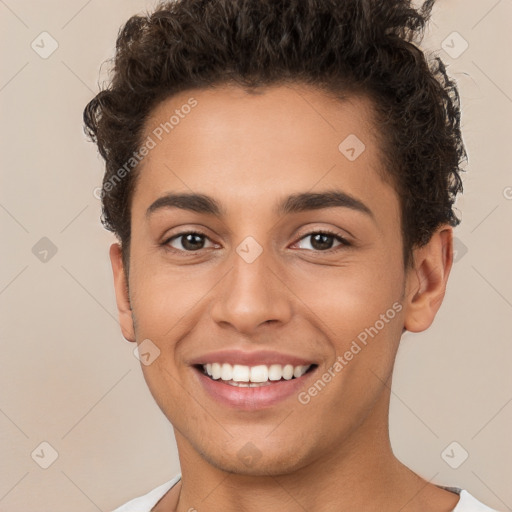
<point x="251" y="461"/>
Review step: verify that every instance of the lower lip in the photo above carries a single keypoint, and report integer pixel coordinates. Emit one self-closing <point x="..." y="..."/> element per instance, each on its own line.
<point x="248" y="399"/>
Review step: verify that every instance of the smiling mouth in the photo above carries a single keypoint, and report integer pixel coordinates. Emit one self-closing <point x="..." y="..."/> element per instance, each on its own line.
<point x="253" y="376"/>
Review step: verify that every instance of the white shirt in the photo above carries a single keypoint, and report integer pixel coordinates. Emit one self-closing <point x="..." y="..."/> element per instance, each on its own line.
<point x="467" y="503"/>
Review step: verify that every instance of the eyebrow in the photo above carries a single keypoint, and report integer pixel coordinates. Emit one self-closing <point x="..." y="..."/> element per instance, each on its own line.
<point x="294" y="203"/>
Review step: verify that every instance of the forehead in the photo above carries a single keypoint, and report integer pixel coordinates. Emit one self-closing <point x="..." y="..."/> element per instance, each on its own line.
<point x="246" y="147"/>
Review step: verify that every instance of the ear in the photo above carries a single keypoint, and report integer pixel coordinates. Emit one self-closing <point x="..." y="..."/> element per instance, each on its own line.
<point x="121" y="289"/>
<point x="426" y="280"/>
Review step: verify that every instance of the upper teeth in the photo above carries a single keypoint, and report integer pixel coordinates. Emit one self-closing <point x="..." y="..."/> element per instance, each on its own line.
<point x="260" y="373"/>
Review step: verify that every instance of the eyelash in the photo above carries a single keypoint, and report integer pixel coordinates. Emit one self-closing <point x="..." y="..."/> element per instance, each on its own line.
<point x="344" y="242"/>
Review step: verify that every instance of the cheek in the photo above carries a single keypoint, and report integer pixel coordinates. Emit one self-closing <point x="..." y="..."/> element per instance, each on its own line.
<point x="348" y="299"/>
<point x="361" y="315"/>
<point x="163" y="298"/>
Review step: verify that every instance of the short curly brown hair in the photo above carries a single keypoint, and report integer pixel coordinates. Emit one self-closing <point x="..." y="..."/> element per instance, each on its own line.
<point x="339" y="47"/>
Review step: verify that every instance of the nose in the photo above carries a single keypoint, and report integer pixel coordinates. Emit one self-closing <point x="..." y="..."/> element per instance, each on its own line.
<point x="252" y="295"/>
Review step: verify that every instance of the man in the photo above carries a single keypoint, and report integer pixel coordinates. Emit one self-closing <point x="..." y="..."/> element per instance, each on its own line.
<point x="280" y="177"/>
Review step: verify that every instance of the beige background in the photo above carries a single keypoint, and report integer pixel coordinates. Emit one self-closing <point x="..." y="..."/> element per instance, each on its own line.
<point x="69" y="379"/>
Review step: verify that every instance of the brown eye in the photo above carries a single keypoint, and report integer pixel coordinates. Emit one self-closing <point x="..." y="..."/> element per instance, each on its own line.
<point x="189" y="241"/>
<point x="324" y="240"/>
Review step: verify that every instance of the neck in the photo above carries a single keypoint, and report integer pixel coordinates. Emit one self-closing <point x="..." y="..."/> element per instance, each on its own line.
<point x="360" y="474"/>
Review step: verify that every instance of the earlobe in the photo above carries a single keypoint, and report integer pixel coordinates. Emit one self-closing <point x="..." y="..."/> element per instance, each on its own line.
<point x="121" y="290"/>
<point x="426" y="281"/>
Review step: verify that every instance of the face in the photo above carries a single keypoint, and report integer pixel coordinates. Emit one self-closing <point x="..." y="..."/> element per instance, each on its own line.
<point x="264" y="273"/>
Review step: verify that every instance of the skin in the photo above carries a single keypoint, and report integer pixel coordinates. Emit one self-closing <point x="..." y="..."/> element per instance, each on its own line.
<point x="248" y="152"/>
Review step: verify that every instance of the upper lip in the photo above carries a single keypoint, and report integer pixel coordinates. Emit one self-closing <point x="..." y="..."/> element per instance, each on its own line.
<point x="254" y="358"/>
